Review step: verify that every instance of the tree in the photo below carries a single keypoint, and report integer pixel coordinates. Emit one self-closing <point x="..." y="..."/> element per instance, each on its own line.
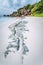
<point x="42" y="0"/>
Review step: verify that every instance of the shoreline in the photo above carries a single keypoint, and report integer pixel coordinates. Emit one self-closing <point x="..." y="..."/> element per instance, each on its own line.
<point x="21" y="16"/>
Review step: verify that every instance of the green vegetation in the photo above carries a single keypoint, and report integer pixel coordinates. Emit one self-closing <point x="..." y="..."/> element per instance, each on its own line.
<point x="37" y="10"/>
<point x="27" y="7"/>
<point x="42" y="0"/>
<point x="32" y="10"/>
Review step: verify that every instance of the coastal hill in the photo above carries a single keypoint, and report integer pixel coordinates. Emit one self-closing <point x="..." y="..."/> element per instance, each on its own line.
<point x="31" y="10"/>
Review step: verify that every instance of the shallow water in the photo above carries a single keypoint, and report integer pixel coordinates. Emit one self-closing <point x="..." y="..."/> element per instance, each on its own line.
<point x="34" y="41"/>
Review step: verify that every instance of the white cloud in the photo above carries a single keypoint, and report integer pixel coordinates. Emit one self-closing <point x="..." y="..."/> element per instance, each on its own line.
<point x="4" y="3"/>
<point x="14" y="4"/>
<point x="15" y="1"/>
<point x="23" y="2"/>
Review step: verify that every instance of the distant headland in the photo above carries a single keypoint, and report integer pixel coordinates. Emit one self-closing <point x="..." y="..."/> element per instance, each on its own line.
<point x="29" y="10"/>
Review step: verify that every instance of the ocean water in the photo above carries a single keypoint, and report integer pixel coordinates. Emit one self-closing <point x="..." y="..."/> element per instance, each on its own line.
<point x="34" y="41"/>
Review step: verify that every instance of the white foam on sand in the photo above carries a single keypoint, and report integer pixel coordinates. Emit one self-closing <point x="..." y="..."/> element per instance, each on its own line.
<point x="34" y="42"/>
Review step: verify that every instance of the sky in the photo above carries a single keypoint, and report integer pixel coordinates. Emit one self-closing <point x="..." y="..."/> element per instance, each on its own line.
<point x="8" y="6"/>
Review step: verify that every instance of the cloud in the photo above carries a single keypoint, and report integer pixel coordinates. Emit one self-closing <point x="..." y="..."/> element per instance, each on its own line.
<point x="12" y="5"/>
<point x="4" y="3"/>
<point x="23" y="2"/>
<point x="15" y="3"/>
<point x="5" y="10"/>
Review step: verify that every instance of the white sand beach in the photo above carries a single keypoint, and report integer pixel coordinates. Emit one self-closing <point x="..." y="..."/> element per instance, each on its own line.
<point x="34" y="41"/>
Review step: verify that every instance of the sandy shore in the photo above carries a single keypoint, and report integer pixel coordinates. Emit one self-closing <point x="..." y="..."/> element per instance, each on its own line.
<point x="34" y="41"/>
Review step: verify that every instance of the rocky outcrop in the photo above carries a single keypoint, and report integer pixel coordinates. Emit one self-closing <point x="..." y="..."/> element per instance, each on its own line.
<point x="21" y="12"/>
<point x="24" y="12"/>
